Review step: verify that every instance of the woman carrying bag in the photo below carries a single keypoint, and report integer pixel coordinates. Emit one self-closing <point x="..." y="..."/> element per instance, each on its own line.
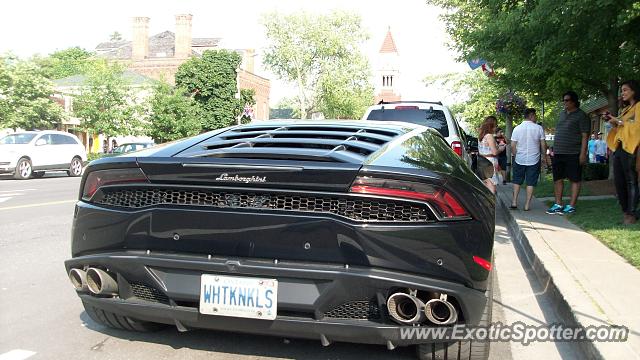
<point x="624" y="140"/>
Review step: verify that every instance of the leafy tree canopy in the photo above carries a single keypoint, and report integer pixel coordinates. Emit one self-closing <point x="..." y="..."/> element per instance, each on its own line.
<point x="321" y="55"/>
<point x="107" y="104"/>
<point x="550" y="46"/>
<point x="211" y="81"/>
<point x="67" y="62"/>
<point x="25" y="96"/>
<point x="115" y="36"/>
<point x="478" y="95"/>
<point x="173" y="114"/>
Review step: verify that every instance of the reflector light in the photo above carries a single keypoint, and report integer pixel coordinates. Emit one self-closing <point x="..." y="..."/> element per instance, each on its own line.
<point x="445" y="203"/>
<point x="482" y="262"/>
<point x="97" y="179"/>
<point x="457" y="147"/>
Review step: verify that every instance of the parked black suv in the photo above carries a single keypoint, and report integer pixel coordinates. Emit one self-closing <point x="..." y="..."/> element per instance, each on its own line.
<point x="336" y="231"/>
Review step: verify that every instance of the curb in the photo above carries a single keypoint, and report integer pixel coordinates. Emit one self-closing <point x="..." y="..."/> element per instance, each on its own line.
<point x="587" y="349"/>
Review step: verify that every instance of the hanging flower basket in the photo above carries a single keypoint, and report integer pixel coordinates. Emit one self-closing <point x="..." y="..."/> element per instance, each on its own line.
<point x="510" y="104"/>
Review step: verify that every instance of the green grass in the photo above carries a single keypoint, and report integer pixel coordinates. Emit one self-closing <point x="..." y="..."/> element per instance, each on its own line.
<point x="545" y="187"/>
<point x="602" y="219"/>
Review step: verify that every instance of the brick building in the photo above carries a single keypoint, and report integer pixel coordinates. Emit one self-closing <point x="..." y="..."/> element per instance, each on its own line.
<point x="387" y="75"/>
<point x="160" y="55"/>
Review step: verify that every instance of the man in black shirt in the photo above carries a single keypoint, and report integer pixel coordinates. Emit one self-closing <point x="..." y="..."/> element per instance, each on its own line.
<point x="570" y="152"/>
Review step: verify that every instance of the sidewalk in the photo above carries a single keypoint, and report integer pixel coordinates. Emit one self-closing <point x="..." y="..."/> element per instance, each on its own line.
<point x="591" y="285"/>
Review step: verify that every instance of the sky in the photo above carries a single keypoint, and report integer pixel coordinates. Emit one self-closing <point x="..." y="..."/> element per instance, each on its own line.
<point x="29" y="27"/>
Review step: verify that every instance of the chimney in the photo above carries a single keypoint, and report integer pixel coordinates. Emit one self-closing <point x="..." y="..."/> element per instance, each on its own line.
<point x="249" y="60"/>
<point x="140" y="49"/>
<point x="183" y="36"/>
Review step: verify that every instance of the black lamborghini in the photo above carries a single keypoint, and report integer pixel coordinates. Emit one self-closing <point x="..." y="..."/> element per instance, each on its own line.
<point x="331" y="230"/>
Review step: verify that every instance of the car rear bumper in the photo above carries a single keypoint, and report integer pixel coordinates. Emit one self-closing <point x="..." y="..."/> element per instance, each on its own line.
<point x="315" y="301"/>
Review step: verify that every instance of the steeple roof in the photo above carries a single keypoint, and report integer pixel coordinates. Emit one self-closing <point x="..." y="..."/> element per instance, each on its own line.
<point x="388" y="46"/>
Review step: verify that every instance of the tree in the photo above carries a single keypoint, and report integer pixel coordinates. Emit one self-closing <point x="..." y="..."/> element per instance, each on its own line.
<point x="173" y="114"/>
<point x="550" y="46"/>
<point x="67" y="62"/>
<point x="345" y="89"/>
<point x="115" y="36"/>
<point x="25" y="96"/>
<point x="107" y="103"/>
<point x="306" y="48"/>
<point x="211" y="81"/>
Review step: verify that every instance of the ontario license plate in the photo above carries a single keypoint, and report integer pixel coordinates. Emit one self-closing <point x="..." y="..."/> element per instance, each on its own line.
<point x="236" y="296"/>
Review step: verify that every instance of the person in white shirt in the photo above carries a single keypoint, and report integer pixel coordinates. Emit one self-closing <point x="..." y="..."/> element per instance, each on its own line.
<point x="601" y="150"/>
<point x="527" y="142"/>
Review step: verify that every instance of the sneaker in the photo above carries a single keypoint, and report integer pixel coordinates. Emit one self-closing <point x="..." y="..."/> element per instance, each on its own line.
<point x="568" y="209"/>
<point x="555" y="209"/>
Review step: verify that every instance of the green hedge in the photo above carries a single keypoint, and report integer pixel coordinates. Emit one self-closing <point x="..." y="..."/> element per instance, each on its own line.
<point x="595" y="172"/>
<point x="94" y="156"/>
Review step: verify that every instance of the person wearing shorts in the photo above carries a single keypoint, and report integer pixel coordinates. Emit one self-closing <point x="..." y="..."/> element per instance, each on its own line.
<point x="528" y="144"/>
<point x="570" y="152"/>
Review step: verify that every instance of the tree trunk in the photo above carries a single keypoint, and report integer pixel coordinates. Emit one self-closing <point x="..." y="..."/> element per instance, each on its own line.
<point x="508" y="128"/>
<point x="612" y="98"/>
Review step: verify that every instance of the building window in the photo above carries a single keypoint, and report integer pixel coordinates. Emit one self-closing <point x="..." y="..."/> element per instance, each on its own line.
<point x="391" y="80"/>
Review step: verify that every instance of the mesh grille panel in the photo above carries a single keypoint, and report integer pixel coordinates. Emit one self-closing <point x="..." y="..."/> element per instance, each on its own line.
<point x="360" y="209"/>
<point x="144" y="292"/>
<point x="363" y="310"/>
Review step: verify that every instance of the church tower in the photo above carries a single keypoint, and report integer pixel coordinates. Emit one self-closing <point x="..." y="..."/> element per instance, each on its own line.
<point x="387" y="75"/>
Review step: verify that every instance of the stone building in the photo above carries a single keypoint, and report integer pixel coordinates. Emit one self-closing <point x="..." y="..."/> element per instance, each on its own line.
<point x="387" y="74"/>
<point x="160" y="55"/>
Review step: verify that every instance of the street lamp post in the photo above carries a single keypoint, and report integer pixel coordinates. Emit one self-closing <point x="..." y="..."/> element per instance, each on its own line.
<point x="239" y="119"/>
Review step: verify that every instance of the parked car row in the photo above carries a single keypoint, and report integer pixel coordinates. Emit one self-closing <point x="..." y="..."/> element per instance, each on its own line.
<point x="29" y="154"/>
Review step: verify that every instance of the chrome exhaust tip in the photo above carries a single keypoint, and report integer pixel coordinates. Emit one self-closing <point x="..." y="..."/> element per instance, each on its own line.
<point x="100" y="282"/>
<point x="405" y="309"/>
<point x="78" y="279"/>
<point x="440" y="312"/>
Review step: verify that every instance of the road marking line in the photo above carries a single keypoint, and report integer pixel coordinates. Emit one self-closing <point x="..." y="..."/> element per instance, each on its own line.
<point x="36" y="205"/>
<point x="4" y="191"/>
<point x="4" y="199"/>
<point x="17" y="354"/>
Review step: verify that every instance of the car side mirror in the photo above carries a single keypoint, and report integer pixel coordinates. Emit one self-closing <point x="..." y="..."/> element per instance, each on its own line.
<point x="484" y="168"/>
<point x="41" y="142"/>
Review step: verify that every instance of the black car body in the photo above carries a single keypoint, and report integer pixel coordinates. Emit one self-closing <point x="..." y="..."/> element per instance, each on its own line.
<point x="341" y="215"/>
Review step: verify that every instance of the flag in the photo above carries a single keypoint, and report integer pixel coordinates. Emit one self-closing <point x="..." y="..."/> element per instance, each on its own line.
<point x="487" y="70"/>
<point x="476" y="63"/>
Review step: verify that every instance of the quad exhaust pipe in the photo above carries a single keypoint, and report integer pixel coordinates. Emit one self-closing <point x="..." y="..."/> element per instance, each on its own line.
<point x="78" y="279"/>
<point x="441" y="312"/>
<point x="407" y="309"/>
<point x="100" y="282"/>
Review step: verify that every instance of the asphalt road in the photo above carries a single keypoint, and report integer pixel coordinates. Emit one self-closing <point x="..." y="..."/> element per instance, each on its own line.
<point x="42" y="318"/>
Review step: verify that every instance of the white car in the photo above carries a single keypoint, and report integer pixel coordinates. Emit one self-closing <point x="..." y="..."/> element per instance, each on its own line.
<point x="30" y="153"/>
<point x="426" y="113"/>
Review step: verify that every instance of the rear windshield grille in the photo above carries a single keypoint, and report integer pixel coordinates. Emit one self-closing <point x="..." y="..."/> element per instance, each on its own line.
<point x="336" y="143"/>
<point x="351" y="207"/>
<point x="431" y="118"/>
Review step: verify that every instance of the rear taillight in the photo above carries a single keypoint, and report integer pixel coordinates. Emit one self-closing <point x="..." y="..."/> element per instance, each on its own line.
<point x="457" y="147"/>
<point x="482" y="262"/>
<point x="446" y="204"/>
<point x="97" y="179"/>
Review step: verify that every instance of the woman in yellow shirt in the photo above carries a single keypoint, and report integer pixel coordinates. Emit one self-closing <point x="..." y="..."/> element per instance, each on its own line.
<point x="624" y="140"/>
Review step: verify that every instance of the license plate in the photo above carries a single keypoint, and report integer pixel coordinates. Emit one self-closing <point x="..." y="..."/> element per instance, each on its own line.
<point x="239" y="296"/>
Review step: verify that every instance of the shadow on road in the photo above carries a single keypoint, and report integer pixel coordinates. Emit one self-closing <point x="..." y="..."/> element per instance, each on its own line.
<point x="253" y="345"/>
<point x="48" y="175"/>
